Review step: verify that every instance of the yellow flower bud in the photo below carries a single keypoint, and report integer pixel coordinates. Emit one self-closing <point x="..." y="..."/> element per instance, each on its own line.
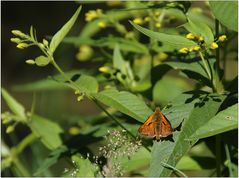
<point x="91" y="15"/>
<point x="214" y="45"/>
<point x="158" y="25"/>
<point x="30" y="61"/>
<point x="201" y="39"/>
<point x="45" y="42"/>
<point x="184" y="50"/>
<point x="41" y="46"/>
<point x="105" y="69"/>
<point x="138" y="21"/>
<point x="85" y="53"/>
<point x="190" y="36"/>
<point x="222" y="38"/>
<point x="74" y="130"/>
<point x="18" y="33"/>
<point x="77" y="92"/>
<point x="10" y="129"/>
<point x="101" y="24"/>
<point x="196" y="48"/>
<point x="147" y="19"/>
<point x="99" y="12"/>
<point x="22" y="45"/>
<point x="81" y="97"/>
<point x="157" y="13"/>
<point x="190" y="49"/>
<point x="16" y="40"/>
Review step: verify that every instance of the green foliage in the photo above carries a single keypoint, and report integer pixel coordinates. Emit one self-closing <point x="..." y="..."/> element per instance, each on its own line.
<point x="130" y="60"/>
<point x="175" y="41"/>
<point x="47" y="131"/>
<point x="224" y="11"/>
<point x="58" y="37"/>
<point x="224" y="121"/>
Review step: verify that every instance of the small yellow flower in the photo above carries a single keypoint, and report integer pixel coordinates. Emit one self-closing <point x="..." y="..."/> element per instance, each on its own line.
<point x="93" y="14"/>
<point x="184" y="50"/>
<point x="190" y="36"/>
<point x="214" y="45"/>
<point x="147" y="19"/>
<point x="81" y="97"/>
<point x="105" y="69"/>
<point x="16" y="40"/>
<point x="74" y="130"/>
<point x="77" y="92"/>
<point x="30" y="61"/>
<point x="196" y="48"/>
<point x="138" y="21"/>
<point x="10" y="129"/>
<point x="158" y="25"/>
<point x="157" y="13"/>
<point x="201" y="39"/>
<point x="129" y="35"/>
<point x="222" y="38"/>
<point x="22" y="45"/>
<point x="85" y="53"/>
<point x="101" y="24"/>
<point x="191" y="49"/>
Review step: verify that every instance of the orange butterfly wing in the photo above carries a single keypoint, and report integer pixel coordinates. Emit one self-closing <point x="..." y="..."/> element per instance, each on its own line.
<point x="165" y="126"/>
<point x="148" y="128"/>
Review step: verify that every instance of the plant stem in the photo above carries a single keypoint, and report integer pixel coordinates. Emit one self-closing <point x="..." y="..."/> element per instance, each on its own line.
<point x="229" y="161"/>
<point x="20" y="169"/>
<point x="205" y="65"/>
<point x="218" y="155"/>
<point x="174" y="169"/>
<point x="92" y="98"/>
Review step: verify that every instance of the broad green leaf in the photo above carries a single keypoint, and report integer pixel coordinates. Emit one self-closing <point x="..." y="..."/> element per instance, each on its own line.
<point x="226" y="12"/>
<point x="205" y="107"/>
<point x="14" y="105"/>
<point x="87" y="84"/>
<point x="137" y="162"/>
<point x="110" y="42"/>
<point x="84" y="168"/>
<point x="42" y="61"/>
<point x="118" y="61"/>
<point x="224" y="121"/>
<point x="48" y="131"/>
<point x="172" y="85"/>
<point x="200" y="29"/>
<point x="175" y="41"/>
<point x="58" y="37"/>
<point x="125" y="102"/>
<point x="193" y="70"/>
<point x="51" y="160"/>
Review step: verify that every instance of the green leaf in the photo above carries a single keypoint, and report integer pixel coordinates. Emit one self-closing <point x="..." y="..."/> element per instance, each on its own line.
<point x="224" y="121"/>
<point x="168" y="84"/>
<point x="14" y="105"/>
<point x="201" y="29"/>
<point x="205" y="107"/>
<point x="58" y="37"/>
<point x="51" y="160"/>
<point x="226" y="12"/>
<point x="110" y="42"/>
<point x="42" y="61"/>
<point x="125" y="102"/>
<point x="48" y="131"/>
<point x="193" y="70"/>
<point x="175" y="41"/>
<point x="87" y="84"/>
<point x="84" y="168"/>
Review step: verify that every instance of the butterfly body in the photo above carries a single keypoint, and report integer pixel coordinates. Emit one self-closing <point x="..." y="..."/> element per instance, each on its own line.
<point x="157" y="125"/>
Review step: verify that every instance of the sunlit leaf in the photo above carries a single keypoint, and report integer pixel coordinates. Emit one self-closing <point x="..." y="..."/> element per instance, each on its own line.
<point x="226" y="12"/>
<point x="58" y="37"/>
<point x="14" y="105"/>
<point x="175" y="41"/>
<point x="224" y="121"/>
<point x="48" y="131"/>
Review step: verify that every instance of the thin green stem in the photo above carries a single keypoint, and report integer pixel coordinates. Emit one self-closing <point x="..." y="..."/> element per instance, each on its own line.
<point x="25" y="142"/>
<point x="218" y="155"/>
<point x="205" y="65"/>
<point x="229" y="161"/>
<point x="174" y="169"/>
<point x="20" y="169"/>
<point x="217" y="50"/>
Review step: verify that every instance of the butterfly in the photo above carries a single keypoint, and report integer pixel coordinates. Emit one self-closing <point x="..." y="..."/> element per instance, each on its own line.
<point x="157" y="125"/>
